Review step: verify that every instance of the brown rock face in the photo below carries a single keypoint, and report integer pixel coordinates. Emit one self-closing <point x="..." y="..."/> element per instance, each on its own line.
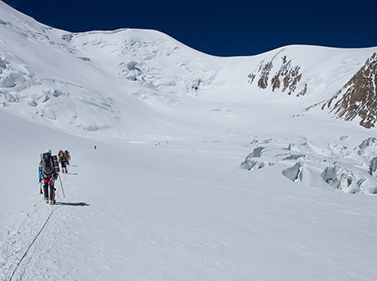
<point x="358" y="97"/>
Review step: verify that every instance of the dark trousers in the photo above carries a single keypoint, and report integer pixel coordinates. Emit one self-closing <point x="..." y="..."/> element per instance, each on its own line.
<point x="49" y="184"/>
<point x="64" y="167"/>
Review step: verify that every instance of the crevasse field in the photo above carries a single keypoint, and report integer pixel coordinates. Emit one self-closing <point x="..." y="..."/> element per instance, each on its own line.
<point x="198" y="174"/>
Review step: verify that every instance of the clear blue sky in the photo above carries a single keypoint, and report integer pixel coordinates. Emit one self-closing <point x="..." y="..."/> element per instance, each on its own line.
<point x="221" y="28"/>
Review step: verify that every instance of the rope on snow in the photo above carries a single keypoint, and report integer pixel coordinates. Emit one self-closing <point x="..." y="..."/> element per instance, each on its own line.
<point x="52" y="210"/>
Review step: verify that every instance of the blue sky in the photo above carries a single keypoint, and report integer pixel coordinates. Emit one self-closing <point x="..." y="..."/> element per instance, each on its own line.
<point x="221" y="28"/>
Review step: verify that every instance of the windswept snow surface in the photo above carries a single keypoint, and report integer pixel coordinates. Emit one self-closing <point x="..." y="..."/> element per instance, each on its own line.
<point x="176" y="210"/>
<point x="198" y="174"/>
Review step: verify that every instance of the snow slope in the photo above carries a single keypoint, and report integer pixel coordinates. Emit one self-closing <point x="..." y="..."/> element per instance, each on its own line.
<point x="114" y="82"/>
<point x="199" y="172"/>
<point x="175" y="210"/>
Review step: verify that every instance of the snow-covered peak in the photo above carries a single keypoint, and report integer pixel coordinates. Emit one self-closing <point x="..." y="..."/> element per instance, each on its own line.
<point x="131" y="81"/>
<point x="184" y="166"/>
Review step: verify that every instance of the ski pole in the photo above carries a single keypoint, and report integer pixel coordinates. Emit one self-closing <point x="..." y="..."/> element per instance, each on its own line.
<point x="40" y="189"/>
<point x="61" y="186"/>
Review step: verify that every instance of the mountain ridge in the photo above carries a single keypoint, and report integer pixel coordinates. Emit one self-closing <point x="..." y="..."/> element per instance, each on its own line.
<point x="357" y="98"/>
<point x="48" y="69"/>
<point x="181" y="168"/>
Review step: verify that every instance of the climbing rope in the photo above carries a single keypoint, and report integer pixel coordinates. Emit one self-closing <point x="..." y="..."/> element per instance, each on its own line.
<point x="52" y="210"/>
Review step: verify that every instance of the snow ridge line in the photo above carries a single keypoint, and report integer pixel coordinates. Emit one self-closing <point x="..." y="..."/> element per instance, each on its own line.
<point x="52" y="210"/>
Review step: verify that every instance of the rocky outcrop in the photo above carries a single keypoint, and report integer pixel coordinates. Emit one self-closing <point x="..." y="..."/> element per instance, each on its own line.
<point x="286" y="77"/>
<point x="358" y="97"/>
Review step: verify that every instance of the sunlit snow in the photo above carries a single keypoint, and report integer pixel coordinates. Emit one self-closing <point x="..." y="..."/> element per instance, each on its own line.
<point x="198" y="174"/>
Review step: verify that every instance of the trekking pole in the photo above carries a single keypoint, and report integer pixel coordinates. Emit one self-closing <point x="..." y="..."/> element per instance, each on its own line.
<point x="61" y="186"/>
<point x="40" y="189"/>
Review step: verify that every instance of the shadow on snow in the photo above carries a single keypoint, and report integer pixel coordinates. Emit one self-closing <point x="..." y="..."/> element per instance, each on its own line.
<point x="80" y="204"/>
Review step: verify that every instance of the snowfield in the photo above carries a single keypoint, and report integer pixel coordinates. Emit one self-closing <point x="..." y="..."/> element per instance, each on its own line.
<point x="203" y="169"/>
<point x="175" y="210"/>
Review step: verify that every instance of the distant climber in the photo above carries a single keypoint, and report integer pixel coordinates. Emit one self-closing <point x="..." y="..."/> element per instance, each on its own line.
<point x="68" y="156"/>
<point x="48" y="173"/>
<point x="63" y="160"/>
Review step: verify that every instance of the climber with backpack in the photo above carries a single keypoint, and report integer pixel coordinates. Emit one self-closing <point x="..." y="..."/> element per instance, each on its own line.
<point x="68" y="156"/>
<point x="48" y="173"/>
<point x="64" y="160"/>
